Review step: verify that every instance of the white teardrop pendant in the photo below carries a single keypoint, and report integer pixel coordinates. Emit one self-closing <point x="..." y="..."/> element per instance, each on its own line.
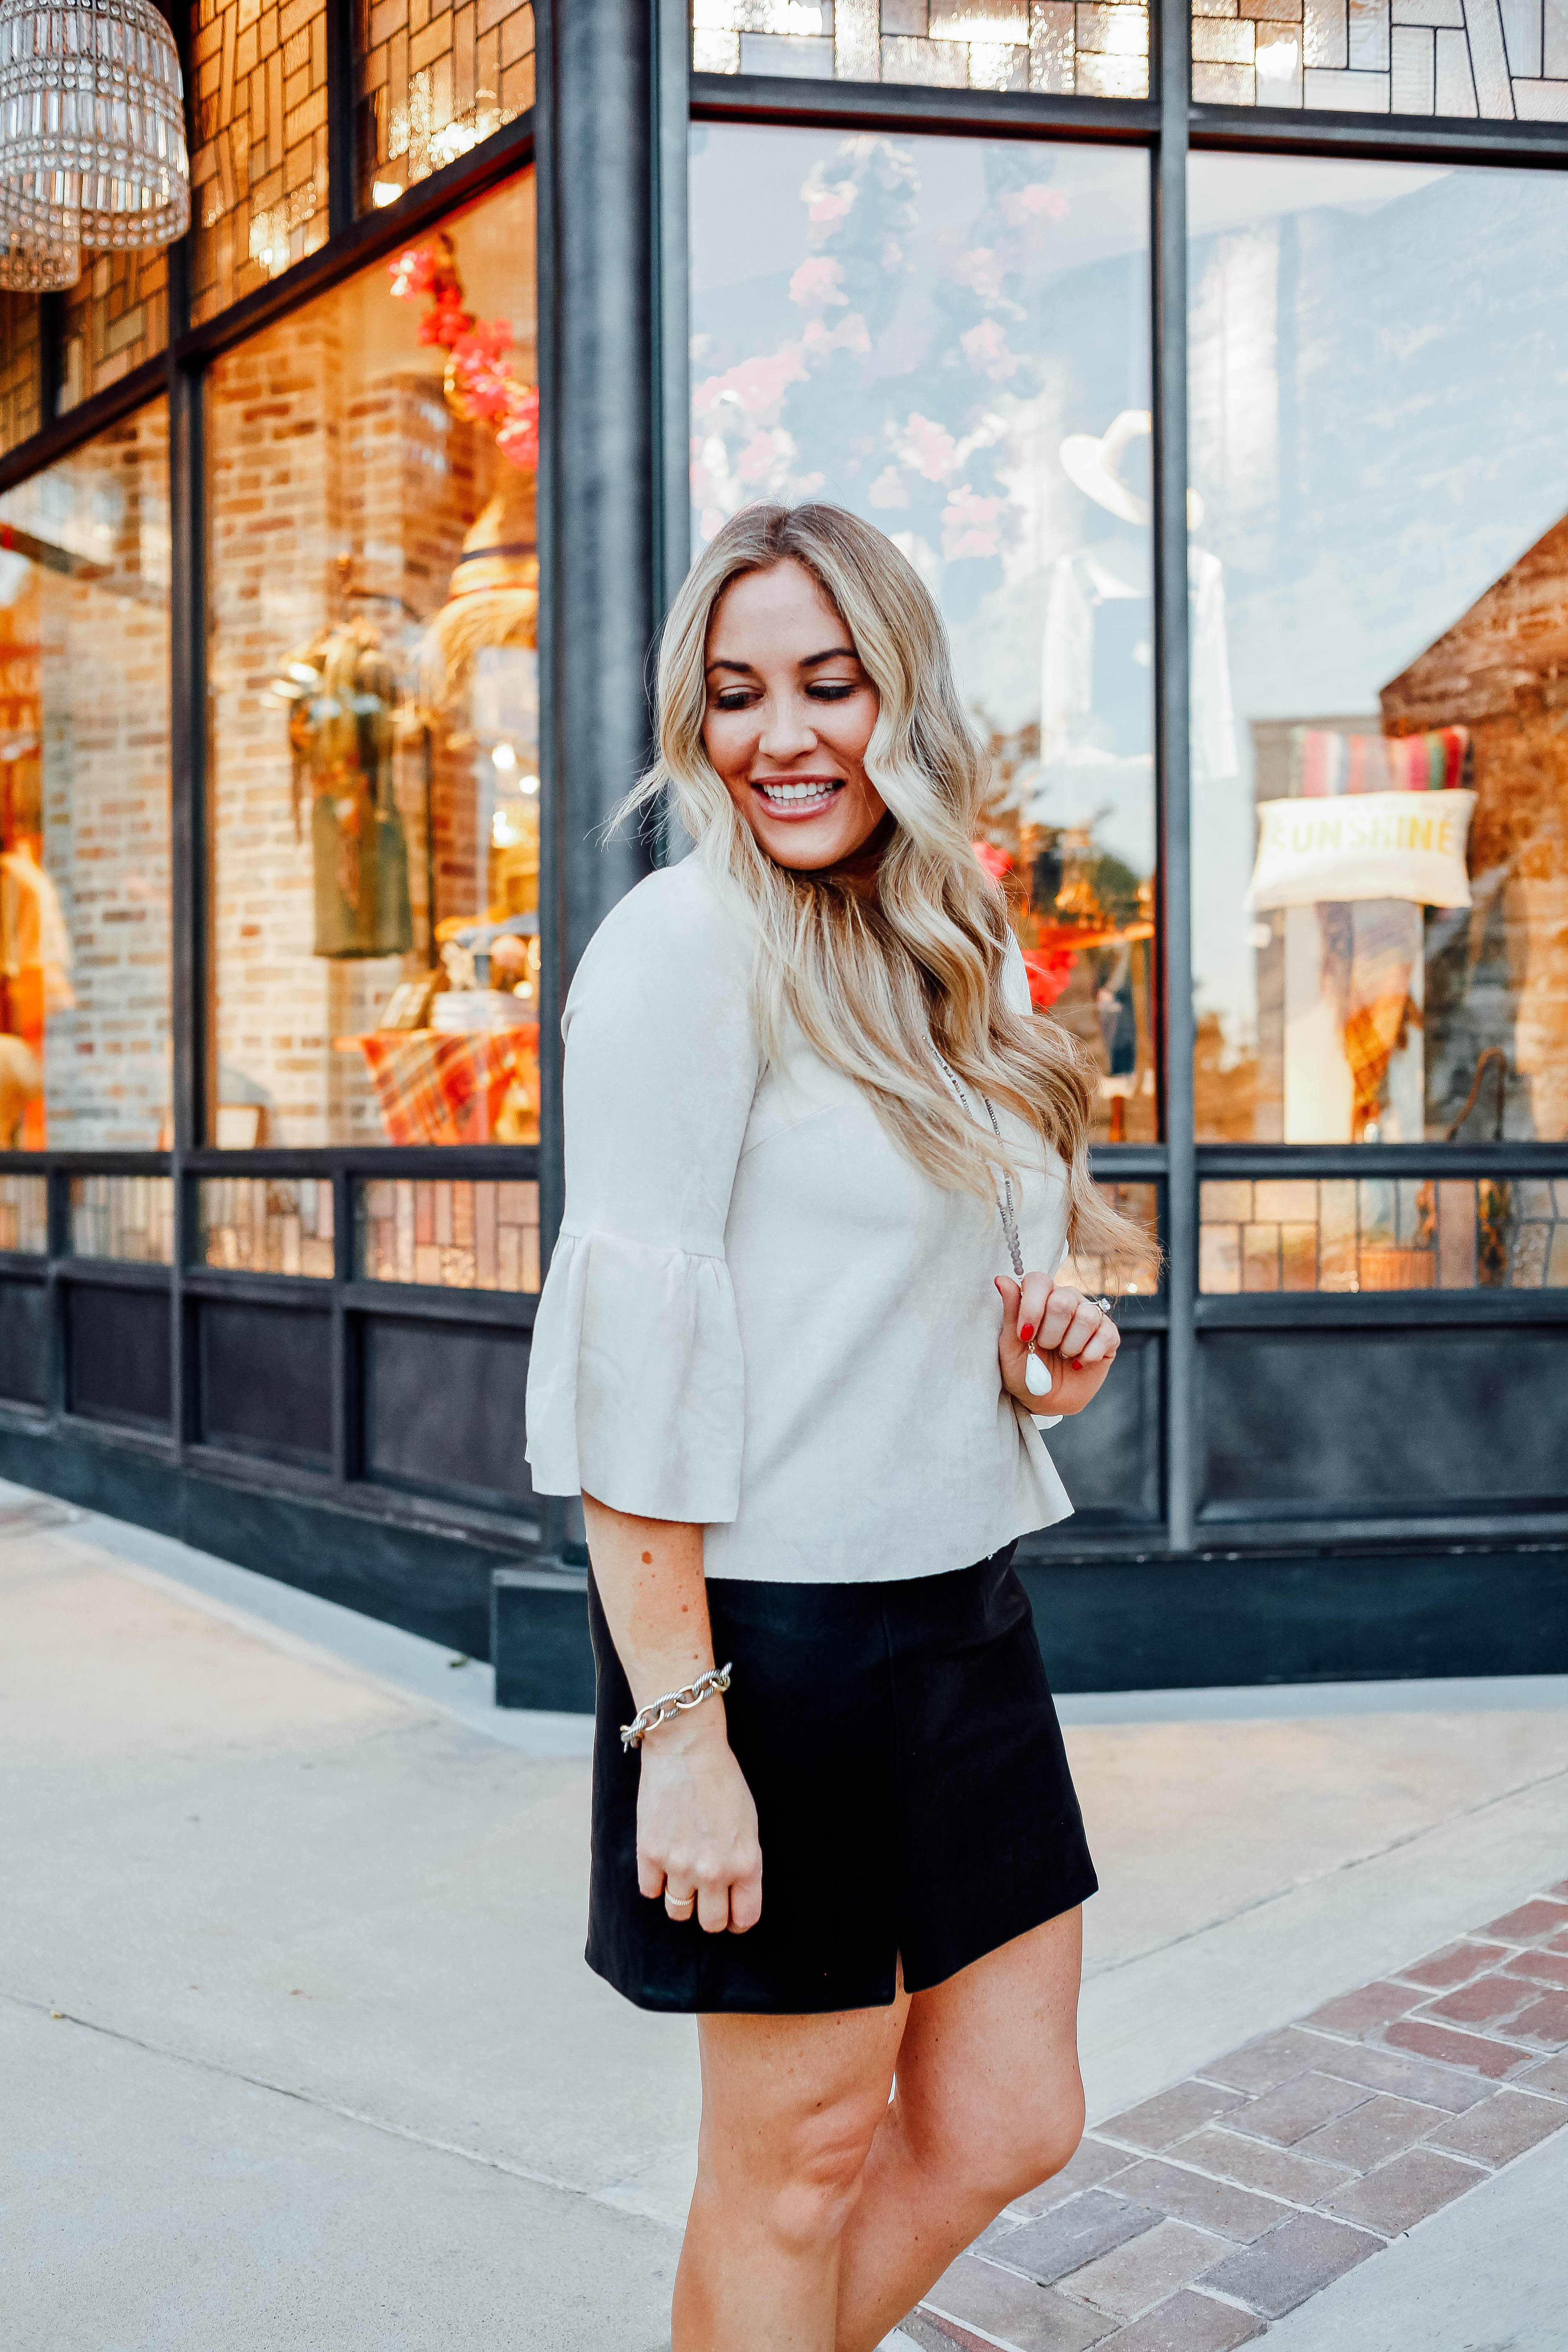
<point x="1037" y="1378"/>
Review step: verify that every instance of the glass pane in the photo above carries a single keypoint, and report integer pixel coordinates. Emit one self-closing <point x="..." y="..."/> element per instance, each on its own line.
<point x="950" y="336"/>
<point x="1379" y="805"/>
<point x="1385" y="57"/>
<point x="123" y="1216"/>
<point x="268" y="1224"/>
<point x="84" y="797"/>
<point x="1140" y="1204"/>
<point x="451" y="1234"/>
<point x="432" y="82"/>
<point x="1430" y="1233"/>
<point x="258" y="156"/>
<point x="373" y="710"/>
<point x="25" y="1214"/>
<point x="116" y="315"/>
<point x="19" y="384"/>
<point x="1093" y="51"/>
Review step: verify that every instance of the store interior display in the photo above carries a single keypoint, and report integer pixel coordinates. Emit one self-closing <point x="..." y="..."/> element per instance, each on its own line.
<point x="1414" y="879"/>
<point x="343" y="717"/>
<point x="84" y="797"/>
<point x="1380" y="897"/>
<point x="411" y="710"/>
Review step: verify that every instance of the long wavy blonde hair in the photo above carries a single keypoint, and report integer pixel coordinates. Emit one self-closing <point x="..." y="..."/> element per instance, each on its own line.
<point x="872" y="982"/>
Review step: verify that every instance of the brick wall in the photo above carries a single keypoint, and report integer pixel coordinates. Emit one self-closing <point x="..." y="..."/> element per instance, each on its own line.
<point x="311" y="461"/>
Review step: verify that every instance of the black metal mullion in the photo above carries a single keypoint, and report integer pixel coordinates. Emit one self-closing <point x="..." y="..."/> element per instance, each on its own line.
<point x="343" y="143"/>
<point x="51" y="354"/>
<point x="1172" y="60"/>
<point x="907" y="106"/>
<point x="1405" y="138"/>
<point x="344" y="1352"/>
<point x="548" y="202"/>
<point x="187" y="863"/>
<point x="671" y="312"/>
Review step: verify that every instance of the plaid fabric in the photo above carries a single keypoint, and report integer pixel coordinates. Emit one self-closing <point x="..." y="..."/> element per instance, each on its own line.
<point x="436" y="1087"/>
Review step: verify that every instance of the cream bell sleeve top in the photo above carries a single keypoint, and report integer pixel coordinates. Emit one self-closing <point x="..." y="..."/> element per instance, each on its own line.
<point x="760" y="1316"/>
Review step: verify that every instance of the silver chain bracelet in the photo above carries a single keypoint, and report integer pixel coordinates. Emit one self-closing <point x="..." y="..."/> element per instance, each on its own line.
<point x="673" y="1703"/>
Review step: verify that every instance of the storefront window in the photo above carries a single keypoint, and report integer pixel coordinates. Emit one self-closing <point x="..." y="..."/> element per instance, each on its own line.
<point x="448" y="1234"/>
<point x="268" y="1224"/>
<point x="1042" y="45"/>
<point x="432" y="82"/>
<point x="116" y="315"/>
<point x="18" y="368"/>
<point x="84" y="797"/>
<point x="950" y="336"/>
<point x="375" y="704"/>
<point x="1380" y="847"/>
<point x="258" y="156"/>
<point x="1384" y="57"/>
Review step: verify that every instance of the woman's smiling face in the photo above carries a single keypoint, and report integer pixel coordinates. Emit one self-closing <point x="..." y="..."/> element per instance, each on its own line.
<point x="790" y="713"/>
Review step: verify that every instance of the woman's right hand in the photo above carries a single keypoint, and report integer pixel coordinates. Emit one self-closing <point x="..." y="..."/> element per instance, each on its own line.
<point x="697" y="1823"/>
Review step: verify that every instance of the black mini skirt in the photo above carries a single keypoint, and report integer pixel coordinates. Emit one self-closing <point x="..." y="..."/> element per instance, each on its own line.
<point x="912" y="1793"/>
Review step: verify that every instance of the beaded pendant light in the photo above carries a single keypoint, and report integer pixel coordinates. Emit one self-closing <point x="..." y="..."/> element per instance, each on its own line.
<point x="92" y="135"/>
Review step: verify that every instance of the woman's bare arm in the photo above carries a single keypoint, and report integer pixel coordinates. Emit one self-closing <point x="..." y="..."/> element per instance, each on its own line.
<point x="697" y="1825"/>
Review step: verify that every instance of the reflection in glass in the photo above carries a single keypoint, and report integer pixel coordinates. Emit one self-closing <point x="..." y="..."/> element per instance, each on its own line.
<point x="25" y="1214"/>
<point x="19" y="384"/>
<point x="84" y="797"/>
<point x="1384" y="57"/>
<point x="128" y="1217"/>
<point x="1384" y="1233"/>
<point x="951" y="337"/>
<point x="1094" y="51"/>
<point x="258" y="156"/>
<point x="449" y="1234"/>
<point x="375" y="704"/>
<point x="1381" y="883"/>
<point x="116" y="315"/>
<point x="1141" y="1204"/>
<point x="268" y="1224"/>
<point x="432" y="82"/>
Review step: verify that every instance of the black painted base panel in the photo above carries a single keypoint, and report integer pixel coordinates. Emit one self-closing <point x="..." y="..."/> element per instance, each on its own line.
<point x="1221" y="1622"/>
<point x="437" y="1584"/>
<point x="1211" y="1620"/>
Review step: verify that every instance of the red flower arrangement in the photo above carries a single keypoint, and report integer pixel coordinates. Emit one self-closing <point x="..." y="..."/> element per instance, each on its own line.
<point x="479" y="379"/>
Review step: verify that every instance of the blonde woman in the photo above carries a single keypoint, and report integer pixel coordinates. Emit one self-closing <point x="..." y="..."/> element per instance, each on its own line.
<point x="822" y="1165"/>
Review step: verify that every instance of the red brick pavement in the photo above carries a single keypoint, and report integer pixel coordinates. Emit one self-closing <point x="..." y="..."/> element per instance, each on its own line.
<point x="1191" y="2220"/>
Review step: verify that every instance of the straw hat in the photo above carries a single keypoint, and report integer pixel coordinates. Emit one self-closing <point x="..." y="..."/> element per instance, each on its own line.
<point x="493" y="599"/>
<point x="1094" y="466"/>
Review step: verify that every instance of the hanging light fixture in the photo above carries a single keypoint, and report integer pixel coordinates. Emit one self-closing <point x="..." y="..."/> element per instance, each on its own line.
<point x="92" y="136"/>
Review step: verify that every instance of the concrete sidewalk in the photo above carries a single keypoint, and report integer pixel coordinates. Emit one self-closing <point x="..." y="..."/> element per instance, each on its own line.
<point x="301" y="2051"/>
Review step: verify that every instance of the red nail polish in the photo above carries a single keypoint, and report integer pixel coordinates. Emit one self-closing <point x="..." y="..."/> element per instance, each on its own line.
<point x="1077" y="1363"/>
<point x="1025" y="1332"/>
<point x="1000" y="1292"/>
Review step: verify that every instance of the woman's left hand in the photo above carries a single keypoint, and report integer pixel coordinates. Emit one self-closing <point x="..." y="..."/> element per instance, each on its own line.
<point x="1074" y="1336"/>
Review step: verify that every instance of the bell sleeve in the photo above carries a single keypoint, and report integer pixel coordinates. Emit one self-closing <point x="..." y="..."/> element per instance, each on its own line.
<point x="636" y="1382"/>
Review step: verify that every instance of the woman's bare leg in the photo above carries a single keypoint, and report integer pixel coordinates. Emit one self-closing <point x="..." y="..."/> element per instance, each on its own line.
<point x="791" y="2107"/>
<point x="988" y="2104"/>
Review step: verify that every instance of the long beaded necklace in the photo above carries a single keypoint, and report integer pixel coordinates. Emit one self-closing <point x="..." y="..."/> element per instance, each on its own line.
<point x="1037" y="1375"/>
